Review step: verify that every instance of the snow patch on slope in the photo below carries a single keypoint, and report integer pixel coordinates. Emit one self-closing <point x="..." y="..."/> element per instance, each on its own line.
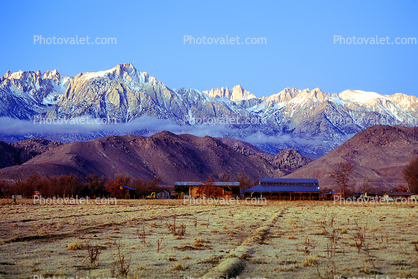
<point x="362" y="97"/>
<point x="338" y="101"/>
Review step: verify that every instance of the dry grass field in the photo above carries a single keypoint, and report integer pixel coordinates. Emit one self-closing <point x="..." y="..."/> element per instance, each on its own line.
<point x="169" y="239"/>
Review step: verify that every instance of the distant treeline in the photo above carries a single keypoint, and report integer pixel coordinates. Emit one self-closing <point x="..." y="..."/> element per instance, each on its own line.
<point x="71" y="185"/>
<point x="92" y="185"/>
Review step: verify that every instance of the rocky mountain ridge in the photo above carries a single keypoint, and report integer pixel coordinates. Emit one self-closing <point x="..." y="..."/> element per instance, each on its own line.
<point x="379" y="154"/>
<point x="236" y="94"/>
<point x="26" y="94"/>
<point x="166" y="155"/>
<point x="20" y="152"/>
<point x="311" y="121"/>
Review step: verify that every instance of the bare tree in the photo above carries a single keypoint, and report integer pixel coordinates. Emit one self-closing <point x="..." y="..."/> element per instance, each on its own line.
<point x="366" y="185"/>
<point x="95" y="184"/>
<point x="410" y="174"/>
<point x="225" y="177"/>
<point x="146" y="187"/>
<point x="341" y="173"/>
<point x="245" y="181"/>
<point x="209" y="190"/>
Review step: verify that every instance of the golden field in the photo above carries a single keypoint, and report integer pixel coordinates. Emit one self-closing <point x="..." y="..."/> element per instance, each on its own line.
<point x="173" y="239"/>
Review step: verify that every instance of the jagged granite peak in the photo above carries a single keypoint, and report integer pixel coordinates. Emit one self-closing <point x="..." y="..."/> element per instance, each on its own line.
<point x="123" y="93"/>
<point x="7" y="74"/>
<point x="285" y="95"/>
<point x="25" y="94"/>
<point x="236" y="94"/>
<point x="126" y="72"/>
<point x="312" y="121"/>
<point x="218" y="92"/>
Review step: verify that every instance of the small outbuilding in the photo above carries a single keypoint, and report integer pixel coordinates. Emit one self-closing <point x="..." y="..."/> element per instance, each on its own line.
<point x="367" y="196"/>
<point x="163" y="195"/>
<point x="397" y="195"/>
<point x="127" y="192"/>
<point x="331" y="195"/>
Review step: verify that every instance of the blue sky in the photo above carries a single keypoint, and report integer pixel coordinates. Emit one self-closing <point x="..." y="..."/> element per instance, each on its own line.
<point x="300" y="51"/>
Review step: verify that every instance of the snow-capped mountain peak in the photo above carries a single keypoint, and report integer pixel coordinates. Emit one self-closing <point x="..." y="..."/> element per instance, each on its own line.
<point x="311" y="120"/>
<point x="359" y="96"/>
<point x="236" y="94"/>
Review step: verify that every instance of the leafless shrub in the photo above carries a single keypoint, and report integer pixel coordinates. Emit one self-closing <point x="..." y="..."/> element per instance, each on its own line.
<point x="141" y="233"/>
<point x="326" y="225"/>
<point x="331" y="220"/>
<point x="403" y="249"/>
<point x="370" y="258"/>
<point x="307" y="246"/>
<point x="121" y="265"/>
<point x="359" y="237"/>
<point x="332" y="245"/>
<point x="93" y="255"/>
<point x="176" y="230"/>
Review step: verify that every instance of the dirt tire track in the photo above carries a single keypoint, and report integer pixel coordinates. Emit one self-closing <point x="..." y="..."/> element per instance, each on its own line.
<point x="234" y="263"/>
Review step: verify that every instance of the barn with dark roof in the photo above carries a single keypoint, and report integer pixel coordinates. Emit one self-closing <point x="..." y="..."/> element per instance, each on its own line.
<point x="285" y="189"/>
